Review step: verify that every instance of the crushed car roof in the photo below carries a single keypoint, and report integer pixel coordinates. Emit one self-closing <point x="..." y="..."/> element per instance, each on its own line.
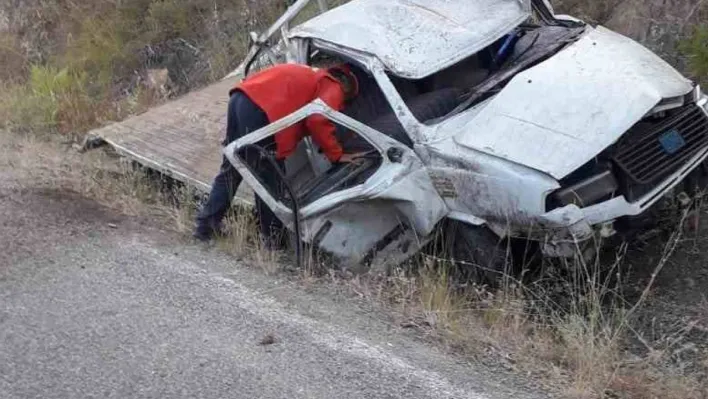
<point x="416" y="38"/>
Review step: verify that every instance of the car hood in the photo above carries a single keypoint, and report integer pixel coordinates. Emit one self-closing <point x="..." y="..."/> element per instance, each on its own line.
<point x="561" y="113"/>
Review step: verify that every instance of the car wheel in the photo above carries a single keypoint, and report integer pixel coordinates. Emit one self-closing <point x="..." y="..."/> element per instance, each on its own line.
<point x="479" y="254"/>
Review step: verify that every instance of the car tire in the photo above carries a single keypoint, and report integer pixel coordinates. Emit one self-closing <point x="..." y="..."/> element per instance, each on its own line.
<point x="478" y="253"/>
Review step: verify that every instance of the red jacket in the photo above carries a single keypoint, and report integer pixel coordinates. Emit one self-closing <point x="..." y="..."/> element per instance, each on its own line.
<point x="283" y="89"/>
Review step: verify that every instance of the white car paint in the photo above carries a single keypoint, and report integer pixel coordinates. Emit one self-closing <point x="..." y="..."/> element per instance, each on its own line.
<point x="493" y="164"/>
<point x="557" y="115"/>
<point x="415" y="38"/>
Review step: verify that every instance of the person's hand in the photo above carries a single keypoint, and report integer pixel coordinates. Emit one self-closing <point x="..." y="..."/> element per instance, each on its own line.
<point x="349" y="158"/>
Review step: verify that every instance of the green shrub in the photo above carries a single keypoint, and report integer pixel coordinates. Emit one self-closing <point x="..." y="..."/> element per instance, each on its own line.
<point x="50" y="97"/>
<point x="103" y="48"/>
<point x="60" y="94"/>
<point x="78" y="61"/>
<point x="50" y="82"/>
<point x="696" y="50"/>
<point x="20" y="110"/>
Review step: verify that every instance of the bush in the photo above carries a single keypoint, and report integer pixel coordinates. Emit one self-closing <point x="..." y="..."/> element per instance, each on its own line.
<point x="66" y="65"/>
<point x="695" y="49"/>
<point x="51" y="99"/>
<point x="104" y="46"/>
<point x="20" y="110"/>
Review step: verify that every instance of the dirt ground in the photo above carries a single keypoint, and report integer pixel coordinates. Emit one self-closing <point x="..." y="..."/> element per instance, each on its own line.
<point x="674" y="321"/>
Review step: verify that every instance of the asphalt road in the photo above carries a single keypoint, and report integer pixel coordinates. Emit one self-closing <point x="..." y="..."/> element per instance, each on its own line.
<point x="95" y="304"/>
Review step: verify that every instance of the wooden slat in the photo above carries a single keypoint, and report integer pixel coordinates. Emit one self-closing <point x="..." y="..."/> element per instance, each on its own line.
<point x="181" y="138"/>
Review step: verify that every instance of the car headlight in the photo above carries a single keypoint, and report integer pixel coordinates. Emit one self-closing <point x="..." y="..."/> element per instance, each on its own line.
<point x="588" y="191"/>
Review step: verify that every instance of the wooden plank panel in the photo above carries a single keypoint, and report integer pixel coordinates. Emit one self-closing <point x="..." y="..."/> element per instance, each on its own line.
<point x="181" y="138"/>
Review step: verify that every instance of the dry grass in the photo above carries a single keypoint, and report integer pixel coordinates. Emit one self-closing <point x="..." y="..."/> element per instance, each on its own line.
<point x="243" y="241"/>
<point x="15" y="63"/>
<point x="571" y="328"/>
<point x="46" y="162"/>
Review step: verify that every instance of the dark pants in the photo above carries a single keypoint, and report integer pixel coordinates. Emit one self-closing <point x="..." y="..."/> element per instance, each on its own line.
<point x="243" y="117"/>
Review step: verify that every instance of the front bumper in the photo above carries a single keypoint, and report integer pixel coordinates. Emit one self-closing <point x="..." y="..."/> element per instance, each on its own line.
<point x="568" y="227"/>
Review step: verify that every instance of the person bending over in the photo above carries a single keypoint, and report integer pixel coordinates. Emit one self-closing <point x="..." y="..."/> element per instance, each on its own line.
<point x="259" y="100"/>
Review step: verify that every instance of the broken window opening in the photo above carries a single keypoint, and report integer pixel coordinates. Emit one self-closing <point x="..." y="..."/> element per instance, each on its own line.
<point x="482" y="75"/>
<point x="371" y="106"/>
<point x="299" y="173"/>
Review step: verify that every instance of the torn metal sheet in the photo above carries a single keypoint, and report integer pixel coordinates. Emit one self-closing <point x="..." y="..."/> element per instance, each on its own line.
<point x="364" y="236"/>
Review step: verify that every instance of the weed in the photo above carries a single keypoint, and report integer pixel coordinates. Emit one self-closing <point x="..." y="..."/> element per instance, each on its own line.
<point x="438" y="298"/>
<point x="49" y="100"/>
<point x="696" y="50"/>
<point x="184" y="204"/>
<point x="243" y="240"/>
<point x="240" y="227"/>
<point x="86" y="57"/>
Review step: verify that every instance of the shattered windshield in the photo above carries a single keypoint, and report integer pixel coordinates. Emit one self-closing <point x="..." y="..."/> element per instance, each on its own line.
<point x="482" y="75"/>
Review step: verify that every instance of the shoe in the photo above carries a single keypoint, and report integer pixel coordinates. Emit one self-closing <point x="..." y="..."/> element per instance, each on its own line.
<point x="206" y="233"/>
<point x="203" y="235"/>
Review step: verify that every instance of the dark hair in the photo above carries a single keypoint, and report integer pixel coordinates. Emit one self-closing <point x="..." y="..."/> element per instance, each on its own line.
<point x="347" y="80"/>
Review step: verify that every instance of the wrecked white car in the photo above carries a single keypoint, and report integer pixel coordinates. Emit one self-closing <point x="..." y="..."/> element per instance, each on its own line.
<point x="484" y="121"/>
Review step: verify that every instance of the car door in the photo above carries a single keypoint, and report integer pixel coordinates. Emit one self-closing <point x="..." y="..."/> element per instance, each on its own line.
<point x="395" y="174"/>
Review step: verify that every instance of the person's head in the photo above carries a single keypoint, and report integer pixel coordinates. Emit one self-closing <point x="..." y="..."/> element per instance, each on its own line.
<point x="347" y="79"/>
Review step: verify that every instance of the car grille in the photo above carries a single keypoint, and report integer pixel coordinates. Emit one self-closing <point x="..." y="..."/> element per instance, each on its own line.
<point x="650" y="152"/>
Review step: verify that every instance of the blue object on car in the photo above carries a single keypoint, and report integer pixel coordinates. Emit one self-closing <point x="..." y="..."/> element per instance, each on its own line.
<point x="506" y="48"/>
<point x="672" y="141"/>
